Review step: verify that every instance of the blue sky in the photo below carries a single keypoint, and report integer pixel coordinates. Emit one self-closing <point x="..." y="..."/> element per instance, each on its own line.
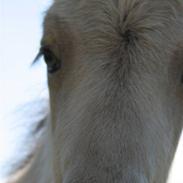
<point x="20" y="34"/>
<point x="20" y="84"/>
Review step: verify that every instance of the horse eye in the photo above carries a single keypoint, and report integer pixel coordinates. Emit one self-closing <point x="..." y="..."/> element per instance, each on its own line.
<point x="52" y="62"/>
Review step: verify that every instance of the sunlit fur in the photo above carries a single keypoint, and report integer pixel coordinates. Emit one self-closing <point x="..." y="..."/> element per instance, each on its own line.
<point x="116" y="103"/>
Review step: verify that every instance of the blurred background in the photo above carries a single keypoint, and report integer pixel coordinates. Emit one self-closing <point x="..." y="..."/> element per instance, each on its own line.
<point x="23" y="88"/>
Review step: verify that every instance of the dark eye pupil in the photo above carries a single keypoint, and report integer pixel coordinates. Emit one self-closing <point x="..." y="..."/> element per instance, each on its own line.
<point x="48" y="55"/>
<point x="53" y="64"/>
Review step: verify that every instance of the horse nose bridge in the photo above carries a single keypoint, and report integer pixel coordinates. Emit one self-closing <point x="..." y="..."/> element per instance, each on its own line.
<point x="128" y="178"/>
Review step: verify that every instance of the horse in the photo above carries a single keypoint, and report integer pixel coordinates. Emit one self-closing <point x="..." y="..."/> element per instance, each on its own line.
<point x="115" y="76"/>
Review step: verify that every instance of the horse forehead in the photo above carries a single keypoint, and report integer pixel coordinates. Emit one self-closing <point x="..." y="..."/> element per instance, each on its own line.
<point x="106" y="14"/>
<point x="102" y="18"/>
<point x="101" y="25"/>
<point x="84" y="5"/>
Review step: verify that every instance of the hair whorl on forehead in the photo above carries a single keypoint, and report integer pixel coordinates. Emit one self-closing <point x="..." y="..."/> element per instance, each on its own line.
<point x="108" y="23"/>
<point x="108" y="26"/>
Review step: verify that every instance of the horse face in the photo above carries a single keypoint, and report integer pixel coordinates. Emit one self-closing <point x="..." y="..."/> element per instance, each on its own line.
<point x="115" y="79"/>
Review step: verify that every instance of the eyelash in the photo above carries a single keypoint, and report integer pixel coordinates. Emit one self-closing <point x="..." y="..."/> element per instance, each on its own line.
<point x="52" y="62"/>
